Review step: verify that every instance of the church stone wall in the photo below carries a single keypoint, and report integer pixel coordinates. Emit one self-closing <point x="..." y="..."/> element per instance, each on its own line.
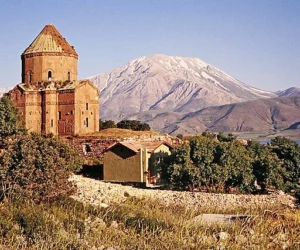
<point x="39" y="64"/>
<point x="49" y="111"/>
<point x="33" y="111"/>
<point x="66" y="112"/>
<point x="87" y="109"/>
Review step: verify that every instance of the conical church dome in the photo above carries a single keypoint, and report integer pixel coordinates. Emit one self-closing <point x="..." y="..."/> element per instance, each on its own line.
<point x="50" y="40"/>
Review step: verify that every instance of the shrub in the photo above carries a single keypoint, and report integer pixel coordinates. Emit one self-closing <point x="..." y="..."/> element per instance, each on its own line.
<point x="10" y="122"/>
<point x="107" y="124"/>
<point x="267" y="167"/>
<point x="180" y="171"/>
<point x="180" y="136"/>
<point x="223" y="163"/>
<point x="288" y="151"/>
<point x="133" y="125"/>
<point x="207" y="162"/>
<point x="37" y="167"/>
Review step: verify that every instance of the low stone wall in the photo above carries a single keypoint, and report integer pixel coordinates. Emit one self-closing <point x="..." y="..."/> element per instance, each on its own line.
<point x="92" y="147"/>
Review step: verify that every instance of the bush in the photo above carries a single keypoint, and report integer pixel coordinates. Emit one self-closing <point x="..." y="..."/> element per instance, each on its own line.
<point x="223" y="164"/>
<point x="107" y="124"/>
<point x="10" y="123"/>
<point x="288" y="151"/>
<point x="267" y="167"/>
<point x="37" y="167"/>
<point x="207" y="162"/>
<point x="180" y="136"/>
<point x="133" y="125"/>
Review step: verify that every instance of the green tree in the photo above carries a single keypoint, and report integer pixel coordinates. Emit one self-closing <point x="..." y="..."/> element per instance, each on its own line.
<point x="180" y="136"/>
<point x="143" y="127"/>
<point x="203" y="152"/>
<point x="107" y="124"/>
<point x="133" y="125"/>
<point x="10" y="122"/>
<point x="223" y="138"/>
<point x="180" y="170"/>
<point x="289" y="152"/>
<point x="37" y="167"/>
<point x="237" y="163"/>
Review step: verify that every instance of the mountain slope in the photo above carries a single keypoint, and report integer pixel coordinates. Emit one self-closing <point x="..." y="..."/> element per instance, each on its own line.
<point x="289" y="92"/>
<point x="163" y="83"/>
<point x="259" y="115"/>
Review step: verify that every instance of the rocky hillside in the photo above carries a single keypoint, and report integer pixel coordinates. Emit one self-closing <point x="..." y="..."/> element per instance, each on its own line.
<point x="259" y="115"/>
<point x="289" y="92"/>
<point x="163" y="83"/>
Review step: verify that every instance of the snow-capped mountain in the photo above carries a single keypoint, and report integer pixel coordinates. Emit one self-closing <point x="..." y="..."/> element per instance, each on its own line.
<point x="169" y="83"/>
<point x="289" y="92"/>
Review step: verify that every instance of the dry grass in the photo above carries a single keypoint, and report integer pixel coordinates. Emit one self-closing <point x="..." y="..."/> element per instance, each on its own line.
<point x="122" y="133"/>
<point x="142" y="224"/>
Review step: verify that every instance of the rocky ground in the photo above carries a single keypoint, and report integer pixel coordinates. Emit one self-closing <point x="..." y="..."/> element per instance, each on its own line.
<point x="102" y="194"/>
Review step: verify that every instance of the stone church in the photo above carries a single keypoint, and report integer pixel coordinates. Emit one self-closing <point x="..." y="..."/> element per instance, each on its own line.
<point x="50" y="99"/>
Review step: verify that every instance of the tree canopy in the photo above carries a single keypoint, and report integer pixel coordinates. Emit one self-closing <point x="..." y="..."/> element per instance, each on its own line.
<point x="37" y="167"/>
<point x="133" y="125"/>
<point x="10" y="122"/>
<point x="223" y="163"/>
<point x="107" y="124"/>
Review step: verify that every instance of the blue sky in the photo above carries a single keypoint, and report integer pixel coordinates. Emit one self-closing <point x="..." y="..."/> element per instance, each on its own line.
<point x="255" y="41"/>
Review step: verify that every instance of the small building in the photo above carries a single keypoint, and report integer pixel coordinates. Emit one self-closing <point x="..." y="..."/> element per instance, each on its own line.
<point x="135" y="162"/>
<point x="50" y="98"/>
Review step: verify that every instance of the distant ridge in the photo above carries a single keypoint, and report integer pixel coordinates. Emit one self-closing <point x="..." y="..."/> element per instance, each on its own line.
<point x="273" y="114"/>
<point x="289" y="92"/>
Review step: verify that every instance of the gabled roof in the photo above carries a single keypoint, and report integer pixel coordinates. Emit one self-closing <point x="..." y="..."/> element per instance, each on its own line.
<point x="50" y="40"/>
<point x="135" y="146"/>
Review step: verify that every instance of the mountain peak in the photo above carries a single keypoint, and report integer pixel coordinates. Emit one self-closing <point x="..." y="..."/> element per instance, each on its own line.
<point x="169" y="83"/>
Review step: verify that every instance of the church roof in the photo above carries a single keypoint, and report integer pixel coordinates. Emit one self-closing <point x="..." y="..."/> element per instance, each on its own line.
<point x="53" y="85"/>
<point x="135" y="146"/>
<point x="50" y="40"/>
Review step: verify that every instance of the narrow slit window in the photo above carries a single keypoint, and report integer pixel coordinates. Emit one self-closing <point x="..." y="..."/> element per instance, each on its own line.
<point x="49" y="75"/>
<point x="52" y="123"/>
<point x="87" y="122"/>
<point x="87" y="106"/>
<point x="29" y="76"/>
<point x="59" y="115"/>
<point x="69" y="76"/>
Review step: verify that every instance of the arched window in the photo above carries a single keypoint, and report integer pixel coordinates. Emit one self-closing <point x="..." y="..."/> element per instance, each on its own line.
<point x="49" y="75"/>
<point x="69" y="76"/>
